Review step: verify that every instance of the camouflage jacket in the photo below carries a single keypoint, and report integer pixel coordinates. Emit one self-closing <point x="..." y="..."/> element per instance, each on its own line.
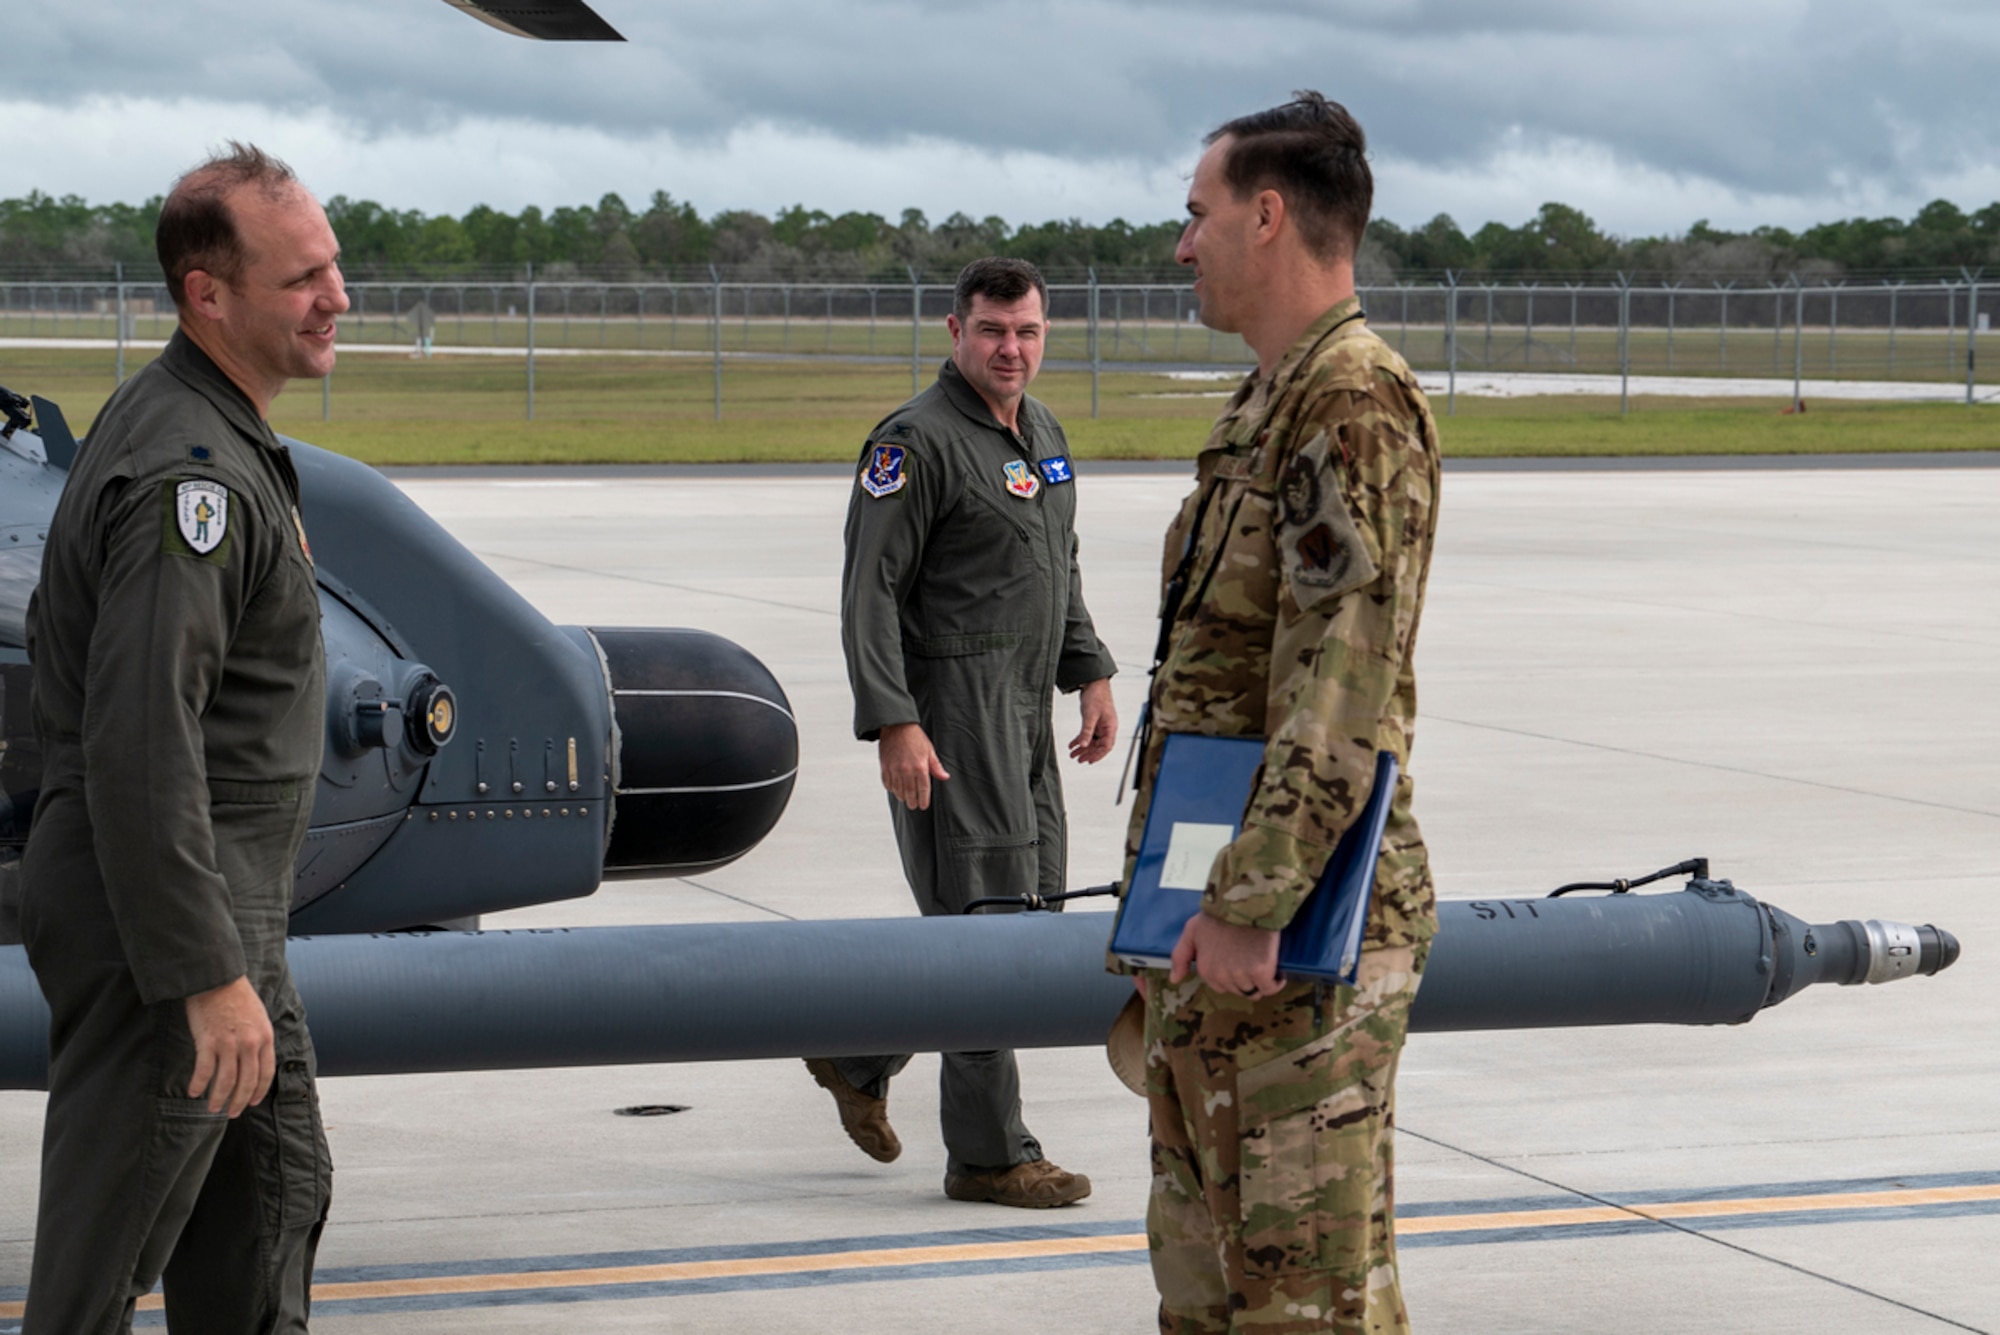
<point x="1311" y="526"/>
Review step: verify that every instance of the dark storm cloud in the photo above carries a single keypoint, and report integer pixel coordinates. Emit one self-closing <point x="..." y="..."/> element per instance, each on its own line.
<point x="1771" y="97"/>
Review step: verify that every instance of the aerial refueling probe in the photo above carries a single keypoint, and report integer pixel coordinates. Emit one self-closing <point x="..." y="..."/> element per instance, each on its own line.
<point x="460" y="1001"/>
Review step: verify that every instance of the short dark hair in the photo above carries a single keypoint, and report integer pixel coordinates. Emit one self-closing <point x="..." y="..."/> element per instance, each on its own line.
<point x="1313" y="153"/>
<point x="997" y="279"/>
<point x="196" y="228"/>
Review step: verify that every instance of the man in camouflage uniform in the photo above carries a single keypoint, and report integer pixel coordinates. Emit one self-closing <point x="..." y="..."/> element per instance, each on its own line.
<point x="1295" y="575"/>
<point x="179" y="689"/>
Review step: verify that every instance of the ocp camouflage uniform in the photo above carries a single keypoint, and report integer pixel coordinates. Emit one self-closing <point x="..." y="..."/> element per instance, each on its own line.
<point x="1311" y="526"/>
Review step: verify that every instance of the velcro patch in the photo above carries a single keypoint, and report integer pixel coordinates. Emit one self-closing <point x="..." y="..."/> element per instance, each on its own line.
<point x="1323" y="552"/>
<point x="1236" y="467"/>
<point x="884" y="473"/>
<point x="1056" y="469"/>
<point x="197" y="519"/>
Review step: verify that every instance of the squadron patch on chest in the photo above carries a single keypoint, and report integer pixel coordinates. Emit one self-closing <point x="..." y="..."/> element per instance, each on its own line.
<point x="1021" y="479"/>
<point x="1324" y="553"/>
<point x="884" y="471"/>
<point x="1056" y="470"/>
<point x="201" y="512"/>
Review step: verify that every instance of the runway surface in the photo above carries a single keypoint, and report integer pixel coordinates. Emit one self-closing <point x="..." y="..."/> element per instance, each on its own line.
<point x="1789" y="672"/>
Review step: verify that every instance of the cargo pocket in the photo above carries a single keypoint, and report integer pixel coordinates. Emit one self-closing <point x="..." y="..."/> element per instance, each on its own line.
<point x="1276" y="1168"/>
<point x="1307" y="1125"/>
<point x="292" y="1152"/>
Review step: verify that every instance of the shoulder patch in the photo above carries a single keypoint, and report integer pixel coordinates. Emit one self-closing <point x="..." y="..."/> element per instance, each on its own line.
<point x="884" y="472"/>
<point x="1324" y="553"/>
<point x="197" y="519"/>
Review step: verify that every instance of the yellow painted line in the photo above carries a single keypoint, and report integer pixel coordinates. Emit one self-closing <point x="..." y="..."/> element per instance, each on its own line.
<point x="1753" y="1205"/>
<point x="1846" y="1200"/>
<point x="1028" y="1249"/>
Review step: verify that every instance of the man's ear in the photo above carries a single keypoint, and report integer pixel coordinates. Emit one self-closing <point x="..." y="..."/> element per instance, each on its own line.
<point x="204" y="293"/>
<point x="1270" y="216"/>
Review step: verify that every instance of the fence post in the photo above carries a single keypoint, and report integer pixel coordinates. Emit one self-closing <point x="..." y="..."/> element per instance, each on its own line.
<point x="1094" y="357"/>
<point x="715" y="331"/>
<point x="1971" y="325"/>
<point x="1451" y="344"/>
<point x="1833" y="329"/>
<point x="1624" y="345"/>
<point x="1528" y="330"/>
<point x="1722" y="328"/>
<point x="916" y="331"/>
<point x="1798" y="342"/>
<point x="119" y="268"/>
<point x="1673" y="290"/>
<point x="1950" y="324"/>
<point x="1486" y="359"/>
<point x="1893" y="290"/>
<point x="531" y="342"/>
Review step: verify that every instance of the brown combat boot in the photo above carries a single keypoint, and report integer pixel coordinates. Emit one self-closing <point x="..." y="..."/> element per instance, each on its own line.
<point x="1036" y="1185"/>
<point x="864" y="1117"/>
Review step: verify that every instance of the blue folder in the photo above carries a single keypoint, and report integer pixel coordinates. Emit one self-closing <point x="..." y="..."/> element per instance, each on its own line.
<point x="1198" y="801"/>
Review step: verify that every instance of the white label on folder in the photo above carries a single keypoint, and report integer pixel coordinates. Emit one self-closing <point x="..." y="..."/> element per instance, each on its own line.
<point x="1191" y="850"/>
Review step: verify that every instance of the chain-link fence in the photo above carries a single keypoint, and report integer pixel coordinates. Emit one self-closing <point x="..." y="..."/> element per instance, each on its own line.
<point x="1793" y="331"/>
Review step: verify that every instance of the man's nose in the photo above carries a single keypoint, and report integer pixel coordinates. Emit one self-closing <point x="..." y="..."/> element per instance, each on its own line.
<point x="335" y="297"/>
<point x="1184" y="248"/>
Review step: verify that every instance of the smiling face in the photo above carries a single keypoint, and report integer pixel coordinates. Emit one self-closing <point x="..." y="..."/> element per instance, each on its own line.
<point x="1218" y="241"/>
<point x="998" y="349"/>
<point x="275" y="320"/>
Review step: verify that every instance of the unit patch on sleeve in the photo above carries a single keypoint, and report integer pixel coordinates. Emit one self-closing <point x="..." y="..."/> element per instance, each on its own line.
<point x="884" y="473"/>
<point x="1056" y="470"/>
<point x="1323" y="552"/>
<point x="1021" y="479"/>
<point x="201" y="513"/>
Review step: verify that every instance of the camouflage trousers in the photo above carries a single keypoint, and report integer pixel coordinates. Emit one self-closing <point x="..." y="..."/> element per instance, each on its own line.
<point x="1272" y="1206"/>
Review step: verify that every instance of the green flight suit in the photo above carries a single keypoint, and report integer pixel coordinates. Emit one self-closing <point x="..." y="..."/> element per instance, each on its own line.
<point x="962" y="609"/>
<point x="179" y="687"/>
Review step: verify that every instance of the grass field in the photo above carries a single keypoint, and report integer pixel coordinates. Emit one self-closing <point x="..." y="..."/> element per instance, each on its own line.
<point x="388" y="409"/>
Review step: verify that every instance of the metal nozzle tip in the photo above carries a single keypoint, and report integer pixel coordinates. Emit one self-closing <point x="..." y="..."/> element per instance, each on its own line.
<point x="1940" y="955"/>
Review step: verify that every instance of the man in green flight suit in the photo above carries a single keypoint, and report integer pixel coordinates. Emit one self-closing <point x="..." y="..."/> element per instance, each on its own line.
<point x="962" y="615"/>
<point x="1295" y="577"/>
<point x="179" y="689"/>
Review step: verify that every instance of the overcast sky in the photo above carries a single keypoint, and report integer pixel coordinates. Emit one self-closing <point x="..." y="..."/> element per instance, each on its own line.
<point x="1645" y="115"/>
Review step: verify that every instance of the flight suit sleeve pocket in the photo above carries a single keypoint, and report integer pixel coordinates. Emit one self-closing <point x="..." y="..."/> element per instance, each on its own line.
<point x="1324" y="553"/>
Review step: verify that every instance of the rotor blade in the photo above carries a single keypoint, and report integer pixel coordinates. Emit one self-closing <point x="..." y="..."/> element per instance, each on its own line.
<point x="542" y="20"/>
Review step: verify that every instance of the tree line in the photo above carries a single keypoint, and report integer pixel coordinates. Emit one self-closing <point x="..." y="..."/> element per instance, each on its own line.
<point x="44" y="235"/>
